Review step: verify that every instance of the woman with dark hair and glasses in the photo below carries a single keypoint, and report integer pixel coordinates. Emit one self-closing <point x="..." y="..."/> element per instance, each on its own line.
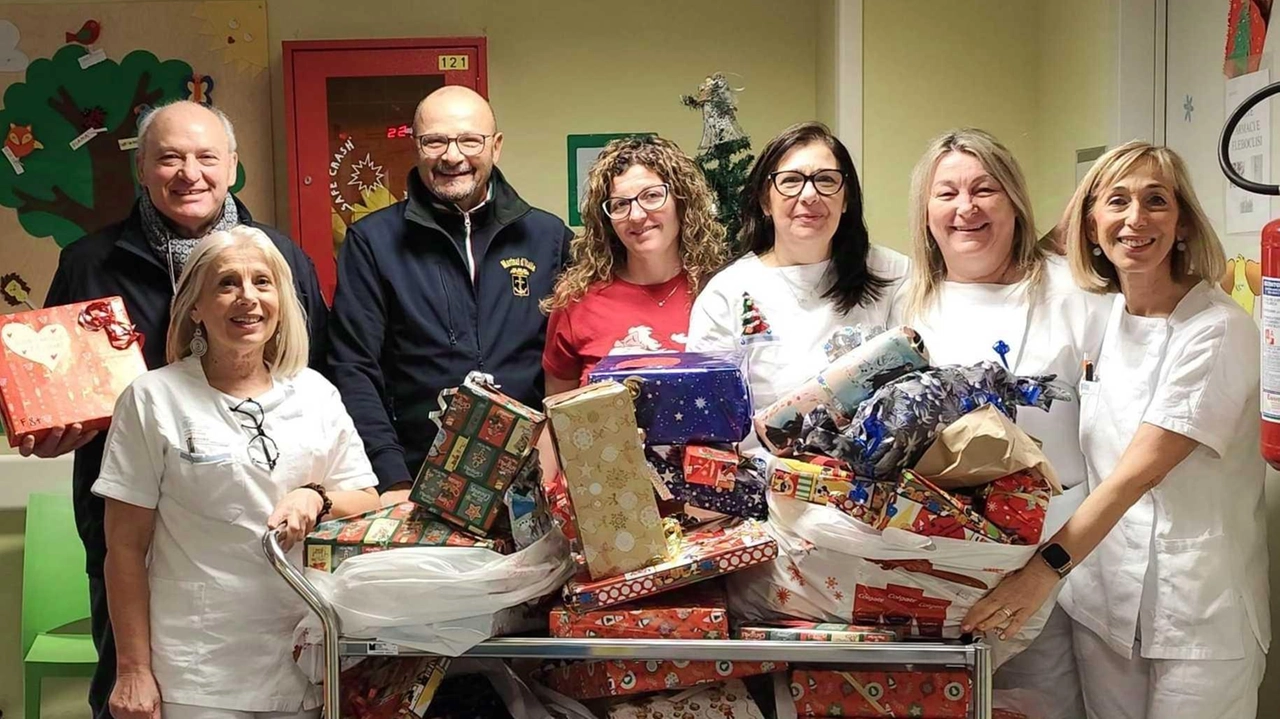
<point x="808" y="267"/>
<point x="650" y="240"/>
<point x="233" y="436"/>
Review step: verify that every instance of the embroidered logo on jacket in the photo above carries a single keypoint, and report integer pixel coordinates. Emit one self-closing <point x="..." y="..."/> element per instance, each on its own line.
<point x="520" y="269"/>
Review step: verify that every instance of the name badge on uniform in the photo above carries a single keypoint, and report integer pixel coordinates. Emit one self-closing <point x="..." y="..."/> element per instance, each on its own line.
<point x="199" y="447"/>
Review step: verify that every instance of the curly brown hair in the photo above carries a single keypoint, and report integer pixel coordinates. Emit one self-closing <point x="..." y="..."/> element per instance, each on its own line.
<point x="597" y="251"/>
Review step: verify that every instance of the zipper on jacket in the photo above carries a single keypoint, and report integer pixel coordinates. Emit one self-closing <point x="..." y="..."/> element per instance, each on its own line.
<point x="448" y="306"/>
<point x="471" y="255"/>
<point x="475" y="290"/>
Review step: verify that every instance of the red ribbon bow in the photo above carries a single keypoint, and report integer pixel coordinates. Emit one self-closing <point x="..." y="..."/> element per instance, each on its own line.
<point x="99" y="316"/>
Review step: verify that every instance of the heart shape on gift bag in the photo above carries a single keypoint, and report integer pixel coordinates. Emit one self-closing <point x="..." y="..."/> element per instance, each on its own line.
<point x="46" y="347"/>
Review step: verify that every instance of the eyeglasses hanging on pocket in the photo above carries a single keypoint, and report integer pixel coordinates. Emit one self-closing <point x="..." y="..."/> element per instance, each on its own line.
<point x="262" y="449"/>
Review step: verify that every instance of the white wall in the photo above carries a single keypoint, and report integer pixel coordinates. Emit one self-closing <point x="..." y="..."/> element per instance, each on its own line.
<point x="1196" y="29"/>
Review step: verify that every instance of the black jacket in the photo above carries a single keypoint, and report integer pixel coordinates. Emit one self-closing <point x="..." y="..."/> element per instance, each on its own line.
<point x="118" y="261"/>
<point x="408" y="322"/>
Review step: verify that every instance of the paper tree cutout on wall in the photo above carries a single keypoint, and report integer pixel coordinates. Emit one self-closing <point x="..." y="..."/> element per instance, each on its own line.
<point x="66" y="193"/>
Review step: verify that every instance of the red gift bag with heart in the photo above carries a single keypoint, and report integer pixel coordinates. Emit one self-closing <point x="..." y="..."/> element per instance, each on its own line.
<point x="68" y="364"/>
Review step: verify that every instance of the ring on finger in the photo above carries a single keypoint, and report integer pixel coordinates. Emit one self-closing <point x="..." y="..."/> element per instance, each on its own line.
<point x="1008" y="614"/>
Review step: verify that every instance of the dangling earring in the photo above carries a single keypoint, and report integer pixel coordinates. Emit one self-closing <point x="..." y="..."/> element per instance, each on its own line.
<point x="1097" y="251"/>
<point x="198" y="344"/>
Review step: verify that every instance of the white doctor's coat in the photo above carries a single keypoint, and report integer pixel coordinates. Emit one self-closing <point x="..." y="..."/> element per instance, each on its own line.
<point x="1187" y="564"/>
<point x="222" y="620"/>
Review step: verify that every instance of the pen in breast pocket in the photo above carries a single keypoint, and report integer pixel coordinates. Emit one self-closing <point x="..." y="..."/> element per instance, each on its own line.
<point x="1088" y="370"/>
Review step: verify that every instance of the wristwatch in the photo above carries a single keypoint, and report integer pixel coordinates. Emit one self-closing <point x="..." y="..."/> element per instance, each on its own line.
<point x="324" y="497"/>
<point x="1057" y="558"/>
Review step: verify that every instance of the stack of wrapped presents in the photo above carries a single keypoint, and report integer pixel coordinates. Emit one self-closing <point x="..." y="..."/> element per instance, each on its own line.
<point x="688" y="513"/>
<point x="681" y="504"/>
<point x="875" y="503"/>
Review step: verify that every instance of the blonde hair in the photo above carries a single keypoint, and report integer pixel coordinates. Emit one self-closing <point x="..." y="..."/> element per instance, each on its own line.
<point x="597" y="252"/>
<point x="286" y="352"/>
<point x="1203" y="257"/>
<point x="928" y="269"/>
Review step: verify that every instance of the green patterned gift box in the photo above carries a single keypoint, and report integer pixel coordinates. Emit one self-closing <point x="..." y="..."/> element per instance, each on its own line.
<point x="400" y="525"/>
<point x="484" y="440"/>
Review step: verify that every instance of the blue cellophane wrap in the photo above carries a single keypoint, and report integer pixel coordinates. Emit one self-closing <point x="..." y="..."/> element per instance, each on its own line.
<point x="892" y="430"/>
<point x="684" y="397"/>
<point x="746" y="499"/>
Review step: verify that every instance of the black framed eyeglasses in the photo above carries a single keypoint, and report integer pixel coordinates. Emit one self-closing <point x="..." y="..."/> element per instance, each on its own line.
<point x="263" y="450"/>
<point x="650" y="198"/>
<point x="469" y="143"/>
<point x="790" y="183"/>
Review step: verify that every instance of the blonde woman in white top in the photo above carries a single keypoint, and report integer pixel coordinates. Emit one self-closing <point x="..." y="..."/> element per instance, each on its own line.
<point x="1167" y="557"/>
<point x="234" y="436"/>
<point x="808" y="267"/>
<point x="980" y="277"/>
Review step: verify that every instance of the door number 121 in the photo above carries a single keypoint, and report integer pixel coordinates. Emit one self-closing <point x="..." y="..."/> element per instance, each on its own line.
<point x="453" y="62"/>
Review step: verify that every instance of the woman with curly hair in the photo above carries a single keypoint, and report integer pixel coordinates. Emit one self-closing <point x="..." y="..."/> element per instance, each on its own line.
<point x="650" y="241"/>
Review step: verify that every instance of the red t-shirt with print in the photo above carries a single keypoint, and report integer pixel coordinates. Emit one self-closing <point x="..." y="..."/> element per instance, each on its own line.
<point x="617" y="317"/>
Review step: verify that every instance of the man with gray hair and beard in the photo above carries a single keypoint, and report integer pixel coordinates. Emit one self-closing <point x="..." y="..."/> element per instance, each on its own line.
<point x="186" y="162"/>
<point x="445" y="282"/>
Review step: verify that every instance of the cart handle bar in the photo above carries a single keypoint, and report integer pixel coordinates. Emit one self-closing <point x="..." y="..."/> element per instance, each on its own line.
<point x="328" y="615"/>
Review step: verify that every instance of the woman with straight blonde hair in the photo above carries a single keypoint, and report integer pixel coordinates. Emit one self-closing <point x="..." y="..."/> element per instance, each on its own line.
<point x="1166" y="558"/>
<point x="231" y="438"/>
<point x="981" y="277"/>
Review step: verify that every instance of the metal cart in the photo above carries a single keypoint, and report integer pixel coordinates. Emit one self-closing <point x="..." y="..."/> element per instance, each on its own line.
<point x="977" y="657"/>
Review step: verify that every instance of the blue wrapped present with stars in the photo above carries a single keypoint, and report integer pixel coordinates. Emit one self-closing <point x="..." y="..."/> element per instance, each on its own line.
<point x="684" y="397"/>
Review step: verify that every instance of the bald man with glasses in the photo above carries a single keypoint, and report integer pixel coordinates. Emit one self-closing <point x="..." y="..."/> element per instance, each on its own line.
<point x="443" y="283"/>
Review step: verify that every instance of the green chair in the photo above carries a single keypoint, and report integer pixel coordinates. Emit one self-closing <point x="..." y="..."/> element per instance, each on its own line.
<point x="55" y="593"/>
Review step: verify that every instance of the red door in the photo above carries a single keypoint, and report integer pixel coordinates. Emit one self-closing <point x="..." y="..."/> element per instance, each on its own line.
<point x="349" y="116"/>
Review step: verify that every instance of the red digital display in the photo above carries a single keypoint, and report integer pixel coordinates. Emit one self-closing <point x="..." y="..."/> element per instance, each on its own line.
<point x="399" y="131"/>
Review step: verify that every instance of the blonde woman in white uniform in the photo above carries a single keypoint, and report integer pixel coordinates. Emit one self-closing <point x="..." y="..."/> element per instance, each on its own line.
<point x="979" y="277"/>
<point x="808" y="265"/>
<point x="1167" y="557"/>
<point x="235" y="435"/>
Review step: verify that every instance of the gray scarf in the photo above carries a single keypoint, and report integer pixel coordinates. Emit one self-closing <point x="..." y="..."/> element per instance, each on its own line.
<point x="168" y="245"/>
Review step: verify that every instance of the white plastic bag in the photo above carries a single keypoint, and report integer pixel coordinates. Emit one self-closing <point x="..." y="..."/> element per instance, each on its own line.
<point x="443" y="600"/>
<point x="834" y="568"/>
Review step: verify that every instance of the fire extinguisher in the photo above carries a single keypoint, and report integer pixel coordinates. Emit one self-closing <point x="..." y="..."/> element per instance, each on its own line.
<point x="1270" y="251"/>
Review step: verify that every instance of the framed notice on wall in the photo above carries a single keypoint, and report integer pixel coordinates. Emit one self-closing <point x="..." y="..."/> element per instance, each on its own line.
<point x="583" y="151"/>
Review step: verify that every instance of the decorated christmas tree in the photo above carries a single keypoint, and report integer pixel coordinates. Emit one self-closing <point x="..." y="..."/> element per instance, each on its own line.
<point x="753" y="322"/>
<point x="725" y="151"/>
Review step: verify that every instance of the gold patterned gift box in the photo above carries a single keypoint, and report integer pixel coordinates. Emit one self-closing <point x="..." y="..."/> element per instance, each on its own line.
<point x="610" y="494"/>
